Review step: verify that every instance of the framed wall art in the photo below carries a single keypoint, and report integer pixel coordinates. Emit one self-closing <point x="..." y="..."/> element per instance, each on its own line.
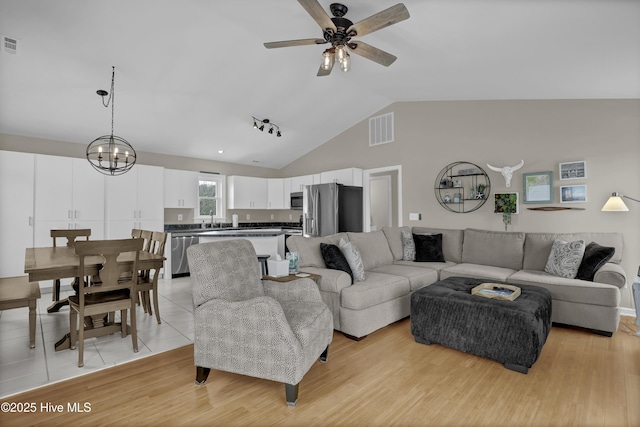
<point x="538" y="187"/>
<point x="573" y="193"/>
<point x="573" y="170"/>
<point x="506" y="203"/>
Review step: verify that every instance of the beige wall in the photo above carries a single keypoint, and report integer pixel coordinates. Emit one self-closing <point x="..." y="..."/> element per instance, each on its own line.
<point x="430" y="135"/>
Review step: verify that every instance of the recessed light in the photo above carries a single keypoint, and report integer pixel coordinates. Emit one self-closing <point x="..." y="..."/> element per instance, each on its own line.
<point x="220" y="151"/>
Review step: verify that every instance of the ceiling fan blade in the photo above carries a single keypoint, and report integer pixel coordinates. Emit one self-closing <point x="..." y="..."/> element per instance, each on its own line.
<point x="372" y="53"/>
<point x="288" y="43"/>
<point x="316" y="11"/>
<point x="380" y="20"/>
<point x="322" y="72"/>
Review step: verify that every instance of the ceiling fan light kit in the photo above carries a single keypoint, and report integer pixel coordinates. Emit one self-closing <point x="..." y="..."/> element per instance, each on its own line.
<point x="339" y="31"/>
<point x="267" y="122"/>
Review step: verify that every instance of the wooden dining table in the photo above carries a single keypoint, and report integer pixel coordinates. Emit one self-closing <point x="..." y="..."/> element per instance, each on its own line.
<point x="54" y="263"/>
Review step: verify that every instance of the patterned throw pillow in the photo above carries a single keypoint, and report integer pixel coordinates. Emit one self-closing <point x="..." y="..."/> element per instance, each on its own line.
<point x="334" y="258"/>
<point x="595" y="256"/>
<point x="352" y="254"/>
<point x="565" y="258"/>
<point x="408" y="246"/>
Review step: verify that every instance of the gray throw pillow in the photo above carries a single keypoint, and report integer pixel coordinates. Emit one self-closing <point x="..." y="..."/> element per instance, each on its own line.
<point x="408" y="246"/>
<point x="565" y="258"/>
<point x="352" y="254"/>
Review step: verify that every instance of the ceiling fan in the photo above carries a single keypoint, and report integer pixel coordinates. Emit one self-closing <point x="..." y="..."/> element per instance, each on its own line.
<point x="339" y="31"/>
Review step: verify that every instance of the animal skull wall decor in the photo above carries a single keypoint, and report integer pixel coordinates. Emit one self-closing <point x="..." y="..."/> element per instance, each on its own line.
<point x="507" y="171"/>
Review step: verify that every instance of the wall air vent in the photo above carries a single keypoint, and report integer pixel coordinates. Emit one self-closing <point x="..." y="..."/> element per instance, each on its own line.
<point x="9" y="45"/>
<point x="381" y="129"/>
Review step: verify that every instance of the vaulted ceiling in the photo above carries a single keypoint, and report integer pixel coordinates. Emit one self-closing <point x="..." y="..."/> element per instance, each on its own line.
<point x="191" y="73"/>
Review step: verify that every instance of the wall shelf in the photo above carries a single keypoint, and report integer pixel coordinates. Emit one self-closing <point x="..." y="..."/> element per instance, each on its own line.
<point x="458" y="192"/>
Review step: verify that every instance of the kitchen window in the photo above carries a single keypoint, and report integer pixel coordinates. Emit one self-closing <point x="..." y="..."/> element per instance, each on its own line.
<point x="211" y="196"/>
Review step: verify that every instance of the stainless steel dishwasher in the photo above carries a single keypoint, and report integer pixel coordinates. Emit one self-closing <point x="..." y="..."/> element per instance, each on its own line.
<point x="179" y="245"/>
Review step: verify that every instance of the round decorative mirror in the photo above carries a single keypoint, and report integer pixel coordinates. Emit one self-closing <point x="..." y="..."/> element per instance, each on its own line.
<point x="462" y="187"/>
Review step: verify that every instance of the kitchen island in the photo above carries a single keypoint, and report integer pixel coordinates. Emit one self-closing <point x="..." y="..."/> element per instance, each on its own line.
<point x="265" y="241"/>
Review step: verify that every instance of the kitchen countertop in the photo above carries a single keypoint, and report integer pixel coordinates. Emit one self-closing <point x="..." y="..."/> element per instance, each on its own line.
<point x="238" y="232"/>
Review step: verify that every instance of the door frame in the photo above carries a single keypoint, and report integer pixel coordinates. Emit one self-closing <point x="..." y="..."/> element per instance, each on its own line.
<point x="366" y="183"/>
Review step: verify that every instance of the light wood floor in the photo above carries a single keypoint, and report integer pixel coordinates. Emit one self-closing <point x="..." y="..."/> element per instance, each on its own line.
<point x="387" y="379"/>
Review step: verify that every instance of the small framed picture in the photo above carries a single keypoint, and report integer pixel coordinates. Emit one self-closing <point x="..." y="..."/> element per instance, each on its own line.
<point x="573" y="170"/>
<point x="573" y="193"/>
<point x="538" y="187"/>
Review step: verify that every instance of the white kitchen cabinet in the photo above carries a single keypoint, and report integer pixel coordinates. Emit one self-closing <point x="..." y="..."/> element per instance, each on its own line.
<point x="16" y="210"/>
<point x="246" y="192"/>
<point x="275" y="193"/>
<point x="135" y="200"/>
<point x="349" y="176"/>
<point x="69" y="193"/>
<point x="299" y="182"/>
<point x="286" y="190"/>
<point x="180" y="189"/>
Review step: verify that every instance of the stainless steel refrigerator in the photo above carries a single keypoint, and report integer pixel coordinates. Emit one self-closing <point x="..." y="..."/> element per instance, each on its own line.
<point x="330" y="209"/>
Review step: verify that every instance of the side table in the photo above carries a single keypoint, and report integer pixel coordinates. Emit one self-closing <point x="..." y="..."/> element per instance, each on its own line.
<point x="291" y="277"/>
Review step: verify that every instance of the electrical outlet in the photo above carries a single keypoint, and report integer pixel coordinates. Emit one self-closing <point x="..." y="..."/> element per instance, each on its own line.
<point x="272" y="217"/>
<point x="415" y="217"/>
<point x="179" y="217"/>
<point x="248" y="217"/>
<point x="290" y="216"/>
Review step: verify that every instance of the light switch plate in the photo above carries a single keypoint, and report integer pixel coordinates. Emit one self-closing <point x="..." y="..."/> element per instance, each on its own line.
<point x="415" y="217"/>
<point x="179" y="217"/>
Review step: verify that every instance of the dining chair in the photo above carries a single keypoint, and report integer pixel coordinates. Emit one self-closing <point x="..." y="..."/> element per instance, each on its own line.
<point x="71" y="235"/>
<point x="113" y="288"/>
<point x="148" y="279"/>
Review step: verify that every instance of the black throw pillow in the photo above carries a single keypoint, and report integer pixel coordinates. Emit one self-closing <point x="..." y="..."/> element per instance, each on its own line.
<point x="334" y="258"/>
<point x="428" y="247"/>
<point x="595" y="256"/>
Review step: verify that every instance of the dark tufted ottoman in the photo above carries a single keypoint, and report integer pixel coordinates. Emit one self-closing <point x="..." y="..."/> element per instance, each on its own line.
<point x="510" y="332"/>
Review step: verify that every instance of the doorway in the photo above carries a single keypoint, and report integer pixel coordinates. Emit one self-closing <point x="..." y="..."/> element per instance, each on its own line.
<point x="383" y="197"/>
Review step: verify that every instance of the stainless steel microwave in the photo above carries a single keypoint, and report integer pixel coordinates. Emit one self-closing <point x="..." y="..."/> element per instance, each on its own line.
<point x="296" y="201"/>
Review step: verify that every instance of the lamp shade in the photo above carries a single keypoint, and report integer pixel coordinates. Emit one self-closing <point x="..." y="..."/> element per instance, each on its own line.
<point x="615" y="204"/>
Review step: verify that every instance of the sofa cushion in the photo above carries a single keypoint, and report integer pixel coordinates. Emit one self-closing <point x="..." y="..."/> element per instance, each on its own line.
<point x="373" y="247"/>
<point x="334" y="258"/>
<point x="378" y="288"/>
<point x="595" y="256"/>
<point x="433" y="265"/>
<point x="477" y="271"/>
<point x="451" y="241"/>
<point x="352" y="254"/>
<point x="569" y="290"/>
<point x="538" y="245"/>
<point x="493" y="248"/>
<point x="408" y="246"/>
<point x="418" y="276"/>
<point x="394" y="238"/>
<point x="308" y="248"/>
<point x="428" y="247"/>
<point x="564" y="258"/>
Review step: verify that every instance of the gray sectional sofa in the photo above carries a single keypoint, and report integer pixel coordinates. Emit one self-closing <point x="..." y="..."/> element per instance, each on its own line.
<point x="513" y="257"/>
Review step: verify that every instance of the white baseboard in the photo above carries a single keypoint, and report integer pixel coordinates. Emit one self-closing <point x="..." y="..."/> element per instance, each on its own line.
<point x="624" y="311"/>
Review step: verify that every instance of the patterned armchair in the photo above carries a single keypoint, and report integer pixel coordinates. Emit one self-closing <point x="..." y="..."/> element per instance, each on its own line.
<point x="244" y="325"/>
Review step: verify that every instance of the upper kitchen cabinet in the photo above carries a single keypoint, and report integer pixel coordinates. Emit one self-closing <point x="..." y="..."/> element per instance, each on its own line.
<point x="275" y="193"/>
<point x="246" y="192"/>
<point x="299" y="182"/>
<point x="135" y="200"/>
<point x="69" y="193"/>
<point x="180" y="189"/>
<point x="349" y="176"/>
<point x="16" y="210"/>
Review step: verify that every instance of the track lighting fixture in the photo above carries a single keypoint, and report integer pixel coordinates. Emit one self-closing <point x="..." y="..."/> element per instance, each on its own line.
<point x="267" y="122"/>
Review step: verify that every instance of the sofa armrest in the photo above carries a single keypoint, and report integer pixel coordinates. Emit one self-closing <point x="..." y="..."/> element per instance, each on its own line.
<point x="330" y="280"/>
<point x="296" y="290"/>
<point x="612" y="274"/>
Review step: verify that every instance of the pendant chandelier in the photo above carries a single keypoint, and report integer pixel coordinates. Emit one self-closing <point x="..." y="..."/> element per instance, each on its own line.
<point x="110" y="154"/>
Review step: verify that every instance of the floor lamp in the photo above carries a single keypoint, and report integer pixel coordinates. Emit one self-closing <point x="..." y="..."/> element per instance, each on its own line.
<point x="616" y="204"/>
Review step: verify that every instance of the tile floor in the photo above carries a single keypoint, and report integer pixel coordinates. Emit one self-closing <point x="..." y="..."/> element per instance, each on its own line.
<point x="22" y="368"/>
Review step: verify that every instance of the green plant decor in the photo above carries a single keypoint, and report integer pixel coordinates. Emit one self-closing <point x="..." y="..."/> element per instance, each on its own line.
<point x="506" y="204"/>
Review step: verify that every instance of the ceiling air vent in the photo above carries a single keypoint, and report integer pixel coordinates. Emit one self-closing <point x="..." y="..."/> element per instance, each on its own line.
<point x="381" y="129"/>
<point x="9" y="45"/>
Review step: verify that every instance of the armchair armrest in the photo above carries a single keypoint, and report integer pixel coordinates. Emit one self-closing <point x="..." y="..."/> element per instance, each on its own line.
<point x="302" y="289"/>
